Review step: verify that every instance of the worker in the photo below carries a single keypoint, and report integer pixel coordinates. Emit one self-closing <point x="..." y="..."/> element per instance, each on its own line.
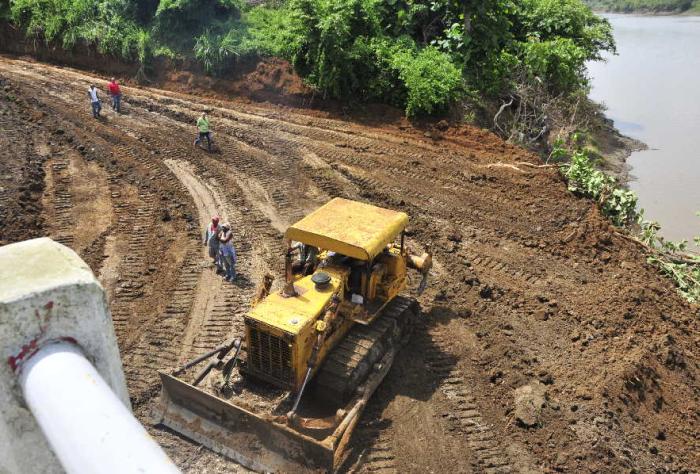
<point x="95" y="101"/>
<point x="228" y="251"/>
<point x="116" y="94"/>
<point x="203" y="128"/>
<point x="308" y="256"/>
<point x="211" y="240"/>
<point x="310" y="259"/>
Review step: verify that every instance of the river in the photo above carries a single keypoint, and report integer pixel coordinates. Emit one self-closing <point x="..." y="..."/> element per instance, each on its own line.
<point x="652" y="93"/>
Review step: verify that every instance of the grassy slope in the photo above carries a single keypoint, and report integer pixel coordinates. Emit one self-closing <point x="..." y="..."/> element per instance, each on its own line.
<point x="648" y="6"/>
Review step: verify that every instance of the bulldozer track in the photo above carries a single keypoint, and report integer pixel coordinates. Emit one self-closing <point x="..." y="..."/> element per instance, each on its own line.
<point x="158" y="348"/>
<point x="349" y="363"/>
<point x="376" y="454"/>
<point x="218" y="307"/>
<point x="62" y="202"/>
<point x="481" y="438"/>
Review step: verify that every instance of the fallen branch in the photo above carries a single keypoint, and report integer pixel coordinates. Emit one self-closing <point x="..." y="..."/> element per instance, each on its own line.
<point x="532" y="165"/>
<point x="500" y="111"/>
<point x="515" y="165"/>
<point x="505" y="165"/>
<point x="673" y="258"/>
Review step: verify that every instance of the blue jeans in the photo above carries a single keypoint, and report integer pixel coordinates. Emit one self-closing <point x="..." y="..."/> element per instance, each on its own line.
<point x="96" y="107"/>
<point x="117" y="102"/>
<point x="204" y="135"/>
<point x="230" y="265"/>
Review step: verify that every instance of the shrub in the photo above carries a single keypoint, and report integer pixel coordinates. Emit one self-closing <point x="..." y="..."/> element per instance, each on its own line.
<point x="555" y="39"/>
<point x="431" y="79"/>
<point x="269" y="31"/>
<point x="619" y="204"/>
<point x="72" y="21"/>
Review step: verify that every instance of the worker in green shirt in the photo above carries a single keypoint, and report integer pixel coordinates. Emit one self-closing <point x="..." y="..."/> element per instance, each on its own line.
<point x="203" y="127"/>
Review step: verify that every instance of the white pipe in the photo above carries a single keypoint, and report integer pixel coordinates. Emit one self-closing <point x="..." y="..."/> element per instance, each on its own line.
<point x="87" y="426"/>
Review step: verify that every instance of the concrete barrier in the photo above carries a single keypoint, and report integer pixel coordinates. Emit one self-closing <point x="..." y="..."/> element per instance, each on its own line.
<point x="63" y="398"/>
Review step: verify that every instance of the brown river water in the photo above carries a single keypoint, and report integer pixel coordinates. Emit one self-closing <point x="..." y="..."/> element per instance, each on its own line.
<point x="652" y="92"/>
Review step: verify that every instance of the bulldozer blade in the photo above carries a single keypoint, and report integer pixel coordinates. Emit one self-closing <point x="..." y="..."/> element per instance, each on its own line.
<point x="260" y="443"/>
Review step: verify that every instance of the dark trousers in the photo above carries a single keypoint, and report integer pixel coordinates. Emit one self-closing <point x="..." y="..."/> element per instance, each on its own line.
<point x="96" y="107"/>
<point x="204" y="135"/>
<point x="117" y="102"/>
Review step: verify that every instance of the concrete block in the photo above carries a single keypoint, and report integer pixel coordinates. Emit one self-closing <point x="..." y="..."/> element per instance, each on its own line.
<point x="47" y="294"/>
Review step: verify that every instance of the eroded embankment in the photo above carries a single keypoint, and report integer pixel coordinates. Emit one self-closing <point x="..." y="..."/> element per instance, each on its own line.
<point x="531" y="287"/>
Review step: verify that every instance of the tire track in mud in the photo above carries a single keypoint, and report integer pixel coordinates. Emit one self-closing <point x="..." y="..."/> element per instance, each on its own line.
<point x="480" y="437"/>
<point x="219" y="306"/>
<point x="378" y="456"/>
<point x="148" y="336"/>
<point x="152" y="349"/>
<point x="62" y="224"/>
<point x="247" y="133"/>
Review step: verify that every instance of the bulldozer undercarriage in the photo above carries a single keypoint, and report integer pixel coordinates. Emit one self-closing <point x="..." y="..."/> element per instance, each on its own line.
<point x="247" y="421"/>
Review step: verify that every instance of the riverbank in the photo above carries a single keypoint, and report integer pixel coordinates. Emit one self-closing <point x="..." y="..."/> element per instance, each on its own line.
<point x="646" y="7"/>
<point x="612" y="148"/>
<point x="648" y="89"/>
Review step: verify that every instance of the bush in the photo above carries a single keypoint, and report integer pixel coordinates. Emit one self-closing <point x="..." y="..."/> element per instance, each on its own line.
<point x="339" y="46"/>
<point x="217" y="52"/>
<point x="559" y="62"/>
<point x="269" y="31"/>
<point x="555" y="39"/>
<point x="180" y="23"/>
<point x="431" y="79"/>
<point x="619" y="204"/>
<point x="72" y="21"/>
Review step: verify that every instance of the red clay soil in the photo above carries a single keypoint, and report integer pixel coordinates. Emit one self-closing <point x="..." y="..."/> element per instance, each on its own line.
<point x="547" y="342"/>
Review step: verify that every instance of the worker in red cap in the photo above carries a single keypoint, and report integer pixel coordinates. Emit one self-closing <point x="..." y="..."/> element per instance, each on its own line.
<point x="211" y="239"/>
<point x="116" y="94"/>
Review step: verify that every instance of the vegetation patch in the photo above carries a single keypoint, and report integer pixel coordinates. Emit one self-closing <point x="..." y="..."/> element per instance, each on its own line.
<point x="620" y="206"/>
<point x="424" y="56"/>
<point x="644" y="6"/>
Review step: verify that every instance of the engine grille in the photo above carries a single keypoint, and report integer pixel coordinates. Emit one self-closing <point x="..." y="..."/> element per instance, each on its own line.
<point x="270" y="355"/>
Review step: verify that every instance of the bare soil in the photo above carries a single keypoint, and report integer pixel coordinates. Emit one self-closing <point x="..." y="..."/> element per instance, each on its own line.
<point x="531" y="285"/>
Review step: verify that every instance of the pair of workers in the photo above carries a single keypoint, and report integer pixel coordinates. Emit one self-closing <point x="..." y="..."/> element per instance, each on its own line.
<point x="219" y="240"/>
<point x="114" y="92"/>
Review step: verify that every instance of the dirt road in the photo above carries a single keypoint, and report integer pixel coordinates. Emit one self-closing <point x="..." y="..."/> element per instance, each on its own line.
<point x="531" y="288"/>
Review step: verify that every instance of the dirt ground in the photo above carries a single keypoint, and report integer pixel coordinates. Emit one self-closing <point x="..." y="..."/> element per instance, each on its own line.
<point x="547" y="343"/>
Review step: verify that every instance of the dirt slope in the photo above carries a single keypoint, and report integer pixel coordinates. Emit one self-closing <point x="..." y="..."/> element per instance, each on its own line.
<point x="531" y="286"/>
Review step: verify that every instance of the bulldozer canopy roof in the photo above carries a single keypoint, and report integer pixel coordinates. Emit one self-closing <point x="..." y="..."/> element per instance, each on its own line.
<point x="351" y="228"/>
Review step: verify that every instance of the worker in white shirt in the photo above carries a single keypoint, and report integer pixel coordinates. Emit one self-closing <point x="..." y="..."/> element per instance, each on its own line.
<point x="95" y="101"/>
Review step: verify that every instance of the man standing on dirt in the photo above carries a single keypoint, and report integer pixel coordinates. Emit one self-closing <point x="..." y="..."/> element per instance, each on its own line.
<point x="203" y="127"/>
<point x="116" y="94"/>
<point x="228" y="252"/>
<point x="211" y="240"/>
<point x="95" y="101"/>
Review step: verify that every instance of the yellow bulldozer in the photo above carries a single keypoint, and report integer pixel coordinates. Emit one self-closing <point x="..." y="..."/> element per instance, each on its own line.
<point x="287" y="396"/>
